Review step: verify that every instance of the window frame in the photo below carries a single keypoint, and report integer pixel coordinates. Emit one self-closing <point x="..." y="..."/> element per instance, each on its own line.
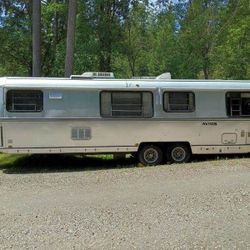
<point x="228" y="108"/>
<point x="127" y="91"/>
<point x="179" y="111"/>
<point x="24" y="90"/>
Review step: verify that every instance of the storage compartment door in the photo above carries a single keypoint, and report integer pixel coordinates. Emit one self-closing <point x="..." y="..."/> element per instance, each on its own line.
<point x="229" y="138"/>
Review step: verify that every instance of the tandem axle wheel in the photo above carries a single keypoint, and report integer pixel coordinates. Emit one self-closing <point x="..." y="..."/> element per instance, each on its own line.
<point x="151" y="154"/>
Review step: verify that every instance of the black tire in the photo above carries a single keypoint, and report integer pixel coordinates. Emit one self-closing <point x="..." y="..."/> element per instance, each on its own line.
<point x="178" y="153"/>
<point x="150" y="155"/>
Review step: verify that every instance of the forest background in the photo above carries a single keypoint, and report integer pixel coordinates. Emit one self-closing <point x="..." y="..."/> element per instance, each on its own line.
<point x="190" y="38"/>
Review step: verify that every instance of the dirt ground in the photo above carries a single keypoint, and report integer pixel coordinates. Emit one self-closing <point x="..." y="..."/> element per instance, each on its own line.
<point x="102" y="205"/>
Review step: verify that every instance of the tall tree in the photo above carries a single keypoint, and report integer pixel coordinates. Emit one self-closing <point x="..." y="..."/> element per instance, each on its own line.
<point x="86" y="45"/>
<point x="197" y="37"/>
<point x="164" y="55"/>
<point x="189" y="38"/>
<point x="54" y="21"/>
<point x="15" y="37"/>
<point x="107" y="17"/>
<point x="69" y="60"/>
<point x="232" y="53"/>
<point x="136" y="39"/>
<point x="36" y="38"/>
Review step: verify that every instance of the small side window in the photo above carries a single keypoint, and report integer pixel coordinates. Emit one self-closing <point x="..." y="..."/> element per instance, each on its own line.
<point x="238" y="104"/>
<point x="126" y="104"/>
<point x="179" y="101"/>
<point x="24" y="101"/>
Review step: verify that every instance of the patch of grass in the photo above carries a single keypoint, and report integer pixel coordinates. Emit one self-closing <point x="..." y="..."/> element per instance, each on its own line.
<point x="17" y="164"/>
<point x="9" y="160"/>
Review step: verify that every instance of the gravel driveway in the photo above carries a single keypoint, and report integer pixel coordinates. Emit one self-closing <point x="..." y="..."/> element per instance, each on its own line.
<point x="204" y="205"/>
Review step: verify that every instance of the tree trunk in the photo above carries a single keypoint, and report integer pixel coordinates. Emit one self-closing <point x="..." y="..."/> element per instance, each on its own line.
<point x="36" y="38"/>
<point x="206" y="62"/>
<point x="69" y="60"/>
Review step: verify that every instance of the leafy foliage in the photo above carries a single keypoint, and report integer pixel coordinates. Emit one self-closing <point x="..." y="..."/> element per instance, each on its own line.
<point x="191" y="39"/>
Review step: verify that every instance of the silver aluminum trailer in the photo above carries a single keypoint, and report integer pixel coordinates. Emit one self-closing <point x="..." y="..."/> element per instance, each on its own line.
<point x="152" y="117"/>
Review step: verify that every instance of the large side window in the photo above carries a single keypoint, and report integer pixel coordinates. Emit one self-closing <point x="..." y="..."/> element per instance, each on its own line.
<point x="238" y="104"/>
<point x="126" y="104"/>
<point x="24" y="101"/>
<point x="179" y="101"/>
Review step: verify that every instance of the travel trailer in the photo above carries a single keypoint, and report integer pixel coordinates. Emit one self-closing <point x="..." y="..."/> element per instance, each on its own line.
<point x="156" y="119"/>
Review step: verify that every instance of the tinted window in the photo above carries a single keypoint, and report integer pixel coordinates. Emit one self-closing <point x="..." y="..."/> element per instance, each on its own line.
<point x="24" y="101"/>
<point x="126" y="104"/>
<point x="179" y="101"/>
<point x="238" y="104"/>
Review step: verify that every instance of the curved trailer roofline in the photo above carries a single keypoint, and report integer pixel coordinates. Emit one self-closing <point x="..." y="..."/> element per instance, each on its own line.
<point x="66" y="83"/>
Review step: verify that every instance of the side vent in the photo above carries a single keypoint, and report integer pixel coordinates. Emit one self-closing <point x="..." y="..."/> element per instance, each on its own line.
<point x="81" y="134"/>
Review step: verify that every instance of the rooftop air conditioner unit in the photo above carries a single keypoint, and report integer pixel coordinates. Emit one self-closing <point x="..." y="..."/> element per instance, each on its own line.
<point x="94" y="75"/>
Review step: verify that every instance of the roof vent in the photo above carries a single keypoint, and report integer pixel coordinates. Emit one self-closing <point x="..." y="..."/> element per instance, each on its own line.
<point x="94" y="75"/>
<point x="164" y="76"/>
<point x="143" y="77"/>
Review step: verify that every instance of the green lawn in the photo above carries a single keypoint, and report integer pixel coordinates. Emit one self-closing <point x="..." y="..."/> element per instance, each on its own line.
<point x="7" y="160"/>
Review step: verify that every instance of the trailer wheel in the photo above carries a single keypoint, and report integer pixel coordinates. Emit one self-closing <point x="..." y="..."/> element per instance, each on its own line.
<point x="150" y="155"/>
<point x="178" y="153"/>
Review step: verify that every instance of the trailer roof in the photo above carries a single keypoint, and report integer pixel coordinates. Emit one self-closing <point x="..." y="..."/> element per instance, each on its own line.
<point x="62" y="83"/>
